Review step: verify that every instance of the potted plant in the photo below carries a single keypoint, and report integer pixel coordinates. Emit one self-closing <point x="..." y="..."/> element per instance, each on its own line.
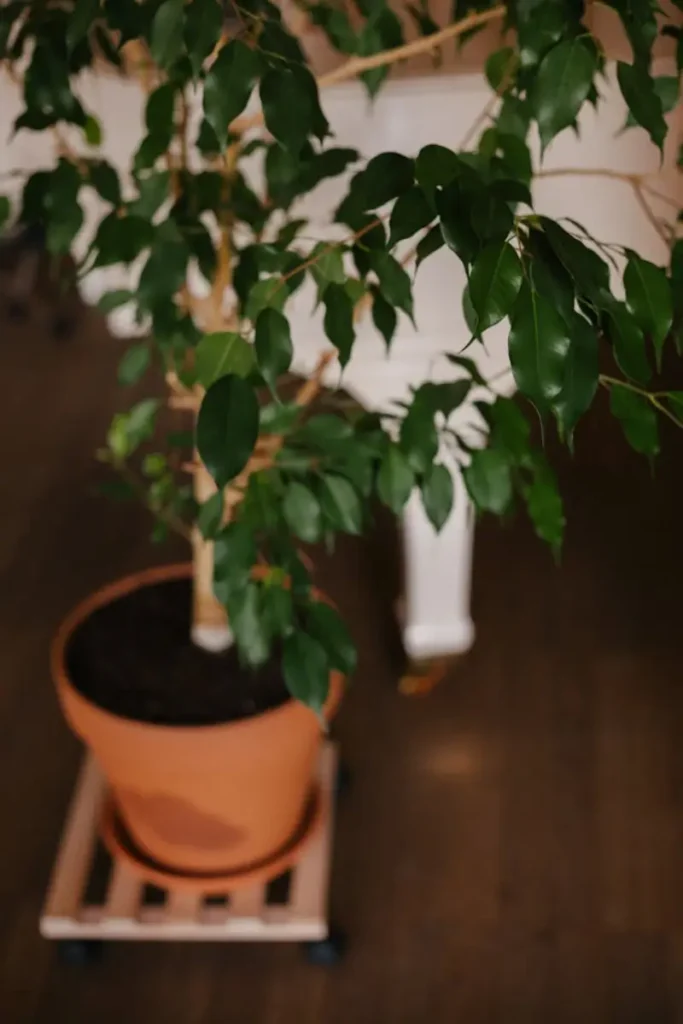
<point x="204" y="697"/>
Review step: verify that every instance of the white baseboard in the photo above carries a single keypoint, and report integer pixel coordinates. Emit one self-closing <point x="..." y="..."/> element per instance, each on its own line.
<point x="423" y="641"/>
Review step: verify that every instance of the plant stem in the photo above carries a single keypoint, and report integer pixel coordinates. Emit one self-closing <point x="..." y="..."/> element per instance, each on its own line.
<point x="169" y="518"/>
<point x="651" y="396"/>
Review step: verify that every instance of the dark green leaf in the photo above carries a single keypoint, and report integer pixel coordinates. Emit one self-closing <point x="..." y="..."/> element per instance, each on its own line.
<point x="340" y="504"/>
<point x="210" y="516"/>
<point x="549" y="276"/>
<point x="383" y="316"/>
<point x="105" y="181"/>
<point x="437" y="495"/>
<point x="638" y="419"/>
<point x="165" y="271"/>
<point x="167" y="32"/>
<point x="121" y="239"/>
<point x="129" y="429"/>
<point x="84" y="14"/>
<point x="453" y="207"/>
<point x="666" y="87"/>
<point x="642" y="100"/>
<point x="248" y="624"/>
<point x="228" y="86"/>
<point x="488" y="481"/>
<point x="159" y="112"/>
<point x="338" y="320"/>
<point x="301" y="510"/>
<point x="152" y="192"/>
<point x="395" y="480"/>
<point x="588" y="271"/>
<point x="500" y="67"/>
<point x="386" y="177"/>
<point x="411" y="213"/>
<point x="510" y="430"/>
<point x="290" y="107"/>
<point x="494" y="283"/>
<point x="112" y="300"/>
<point x="538" y="343"/>
<point x="418" y="437"/>
<point x="469" y="366"/>
<point x="134" y="363"/>
<point x="92" y="129"/>
<point x="432" y="242"/>
<point x="544" y="505"/>
<point x="306" y="668"/>
<point x="222" y="353"/>
<point x="326" y="626"/>
<point x="273" y="343"/>
<point x="436" y="167"/>
<point x="628" y="342"/>
<point x="394" y="281"/>
<point x="561" y="86"/>
<point x="227" y="427"/>
<point x="648" y="296"/>
<point x="580" y="375"/>
<point x="203" y="24"/>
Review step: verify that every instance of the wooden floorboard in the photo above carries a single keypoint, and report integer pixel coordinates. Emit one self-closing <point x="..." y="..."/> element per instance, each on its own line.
<point x="512" y="847"/>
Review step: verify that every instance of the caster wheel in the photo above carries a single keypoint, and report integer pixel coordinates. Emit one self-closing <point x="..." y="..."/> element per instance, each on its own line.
<point x="80" y="952"/>
<point x="327" y="952"/>
<point x="342" y="783"/>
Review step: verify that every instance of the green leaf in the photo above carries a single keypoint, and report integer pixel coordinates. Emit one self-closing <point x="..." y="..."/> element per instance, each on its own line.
<point x="113" y="300"/>
<point x="92" y="130"/>
<point x="628" y="343"/>
<point x="80" y="22"/>
<point x="167" y="32"/>
<point x="538" y="344"/>
<point x="580" y="375"/>
<point x="210" y="516"/>
<point x="561" y="86"/>
<point x="306" y="668"/>
<point x="134" y="363"/>
<point x="203" y="24"/>
<point x="544" y="505"/>
<point x="248" y="624"/>
<point x="227" y="427"/>
<point x="291" y="109"/>
<point x="494" y="283"/>
<point x="326" y="626"/>
<point x="411" y="213"/>
<point x="394" y="281"/>
<point x="266" y="293"/>
<point x="386" y="177"/>
<point x="453" y="207"/>
<point x="152" y="192"/>
<point x="228" y="86"/>
<point x="675" y="400"/>
<point x="469" y="366"/>
<point x="418" y="437"/>
<point x="500" y="66"/>
<point x="273" y="343"/>
<point x="225" y="352"/>
<point x="105" y="181"/>
<point x="383" y="316"/>
<point x="121" y="239"/>
<point x="648" y="296"/>
<point x="488" y="481"/>
<point x="437" y="495"/>
<point x="340" y="504"/>
<point x="588" y="271"/>
<point x="165" y="271"/>
<point x="643" y="100"/>
<point x="302" y="514"/>
<point x="338" y="321"/>
<point x="510" y="430"/>
<point x="395" y="480"/>
<point x="638" y="419"/>
<point x="667" y="88"/>
<point x="5" y="210"/>
<point x="431" y="243"/>
<point x="129" y="429"/>
<point x="436" y="167"/>
<point x="549" y="276"/>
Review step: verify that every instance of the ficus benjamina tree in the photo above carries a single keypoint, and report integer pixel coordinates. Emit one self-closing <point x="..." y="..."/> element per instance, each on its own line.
<point x="215" y="260"/>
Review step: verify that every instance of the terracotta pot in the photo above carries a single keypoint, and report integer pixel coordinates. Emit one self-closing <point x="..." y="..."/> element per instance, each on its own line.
<point x="223" y="798"/>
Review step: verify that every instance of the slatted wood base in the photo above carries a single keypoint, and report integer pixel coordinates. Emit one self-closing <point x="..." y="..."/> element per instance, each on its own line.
<point x="92" y="897"/>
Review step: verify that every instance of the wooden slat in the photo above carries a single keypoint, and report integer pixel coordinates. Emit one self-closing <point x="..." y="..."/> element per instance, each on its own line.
<point x="247" y="904"/>
<point x="124" y="896"/>
<point x="308" y="900"/>
<point x="78" y="841"/>
<point x="183" y="907"/>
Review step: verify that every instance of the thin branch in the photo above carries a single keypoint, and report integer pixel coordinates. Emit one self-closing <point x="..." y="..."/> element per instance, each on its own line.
<point x="643" y="204"/>
<point x="485" y="113"/>
<point x="651" y="396"/>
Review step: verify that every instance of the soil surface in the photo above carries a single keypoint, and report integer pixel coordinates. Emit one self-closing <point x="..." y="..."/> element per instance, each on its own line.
<point x="134" y="657"/>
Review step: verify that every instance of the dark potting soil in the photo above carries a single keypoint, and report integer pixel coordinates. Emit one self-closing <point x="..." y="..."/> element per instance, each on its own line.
<point x="134" y="657"/>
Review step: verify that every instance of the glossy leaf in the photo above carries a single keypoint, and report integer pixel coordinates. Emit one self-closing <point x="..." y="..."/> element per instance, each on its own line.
<point x="499" y="67"/>
<point x="81" y="21"/>
<point x="338" y="321"/>
<point x="648" y="296"/>
<point x="580" y="375"/>
<point x="488" y="481"/>
<point x="562" y="85"/>
<point x="436" y="167"/>
<point x="134" y="364"/>
<point x="395" y="480"/>
<point x="228" y="86"/>
<point x="544" y="505"/>
<point x="340" y="504"/>
<point x="326" y="626"/>
<point x="306" y="668"/>
<point x="437" y="495"/>
<point x="203" y="23"/>
<point x="104" y="179"/>
<point x="384" y="317"/>
<point x="642" y="100"/>
<point x="210" y="515"/>
<point x="290" y="107"/>
<point x="638" y="419"/>
<point x="494" y="283"/>
<point x="628" y="342"/>
<point x="385" y="177"/>
<point x="227" y="427"/>
<point x="301" y="510"/>
<point x="167" y="32"/>
<point x="410" y="214"/>
<point x="588" y="271"/>
<point x="431" y="243"/>
<point x="538" y="344"/>
<point x="273" y="343"/>
<point x="225" y="352"/>
<point x="394" y="281"/>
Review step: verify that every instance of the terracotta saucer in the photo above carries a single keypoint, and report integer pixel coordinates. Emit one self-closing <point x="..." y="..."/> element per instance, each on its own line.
<point x="122" y="847"/>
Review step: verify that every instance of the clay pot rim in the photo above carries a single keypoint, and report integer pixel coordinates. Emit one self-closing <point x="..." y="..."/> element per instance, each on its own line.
<point x="125" y="585"/>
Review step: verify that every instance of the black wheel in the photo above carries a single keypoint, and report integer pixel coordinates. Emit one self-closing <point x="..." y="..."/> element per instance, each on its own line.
<point x="80" y="952"/>
<point x="327" y="952"/>
<point x="343" y="781"/>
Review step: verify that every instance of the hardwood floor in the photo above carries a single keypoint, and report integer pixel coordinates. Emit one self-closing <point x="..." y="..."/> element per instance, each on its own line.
<point x="512" y="848"/>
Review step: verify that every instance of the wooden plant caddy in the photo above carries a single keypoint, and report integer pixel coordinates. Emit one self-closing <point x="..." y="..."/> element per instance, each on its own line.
<point x="292" y="908"/>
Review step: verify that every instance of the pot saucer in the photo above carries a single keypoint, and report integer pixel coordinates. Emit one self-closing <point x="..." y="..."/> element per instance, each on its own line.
<point x="123" y="848"/>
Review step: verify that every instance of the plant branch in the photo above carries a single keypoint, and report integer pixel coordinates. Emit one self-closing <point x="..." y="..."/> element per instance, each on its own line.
<point x="165" y="515"/>
<point x="485" y="113"/>
<point x="643" y="204"/>
<point x="652" y="397"/>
